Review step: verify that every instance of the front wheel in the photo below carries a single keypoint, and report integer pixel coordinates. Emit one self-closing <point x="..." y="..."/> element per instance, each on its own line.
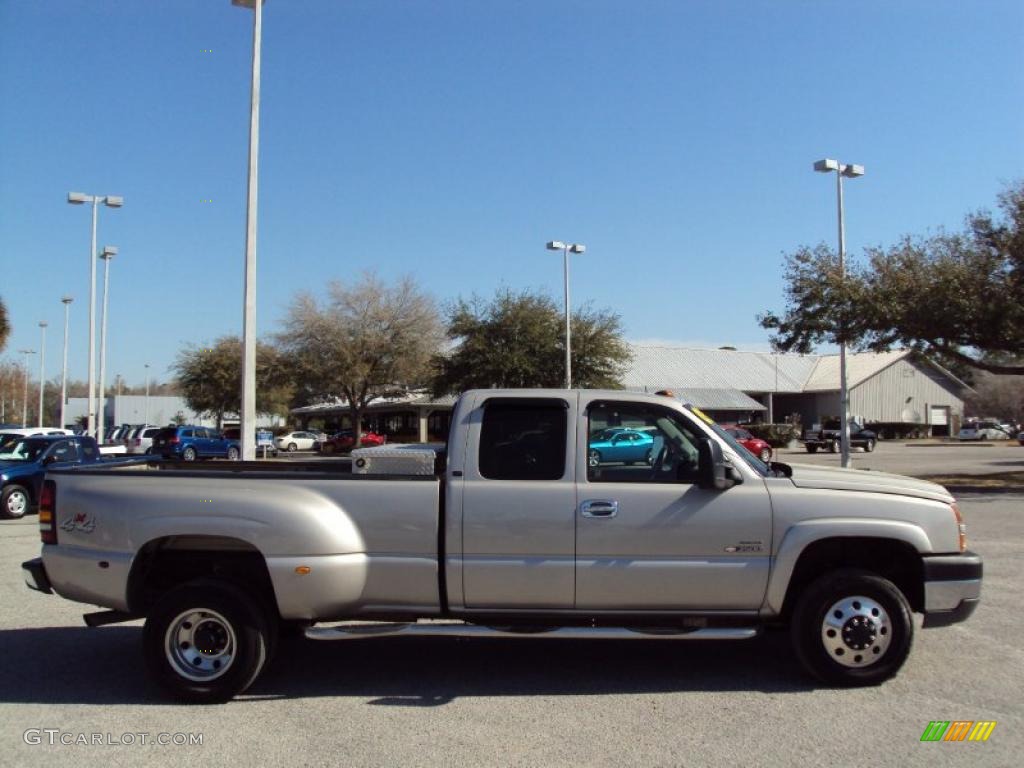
<point x="13" y="502"/>
<point x="206" y="641"/>
<point x="852" y="628"/>
<point x="869" y="446"/>
<point x="833" y="446"/>
<point x="812" y="448"/>
<point x="292" y="447"/>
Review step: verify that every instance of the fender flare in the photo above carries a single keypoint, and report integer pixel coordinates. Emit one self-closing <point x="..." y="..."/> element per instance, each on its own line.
<point x="803" y="534"/>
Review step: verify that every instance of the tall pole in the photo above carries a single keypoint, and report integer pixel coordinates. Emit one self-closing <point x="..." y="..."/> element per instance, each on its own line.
<point x="24" y="396"/>
<point x="91" y="420"/>
<point x="108" y="253"/>
<point x="146" y="420"/>
<point x="42" y="368"/>
<point x="568" y="332"/>
<point x="248" y="415"/>
<point x="64" y="369"/>
<point x="844" y="395"/>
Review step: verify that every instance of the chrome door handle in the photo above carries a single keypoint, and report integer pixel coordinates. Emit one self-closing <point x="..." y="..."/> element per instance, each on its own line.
<point x="599" y="508"/>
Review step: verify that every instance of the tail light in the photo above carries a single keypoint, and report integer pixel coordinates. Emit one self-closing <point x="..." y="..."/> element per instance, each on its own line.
<point x="961" y="527"/>
<point x="48" y="512"/>
<point x="174" y="440"/>
<point x="138" y="442"/>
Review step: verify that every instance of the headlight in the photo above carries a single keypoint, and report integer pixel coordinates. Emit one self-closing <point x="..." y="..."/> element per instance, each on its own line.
<point x="961" y="526"/>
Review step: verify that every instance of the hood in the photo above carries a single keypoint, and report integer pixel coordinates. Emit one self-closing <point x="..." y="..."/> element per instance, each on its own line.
<point x="812" y="476"/>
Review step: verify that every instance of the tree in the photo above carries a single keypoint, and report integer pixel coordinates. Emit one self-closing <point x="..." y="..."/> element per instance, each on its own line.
<point x="997" y="396"/>
<point x="518" y="340"/>
<point x="5" y="326"/>
<point x="956" y="296"/>
<point x="210" y="378"/>
<point x="363" y="341"/>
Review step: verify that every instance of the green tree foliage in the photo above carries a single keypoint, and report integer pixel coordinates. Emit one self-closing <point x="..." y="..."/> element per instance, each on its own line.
<point x="363" y="341"/>
<point x="5" y="326"/>
<point x="210" y="378"/>
<point x="957" y="296"/>
<point x="518" y="340"/>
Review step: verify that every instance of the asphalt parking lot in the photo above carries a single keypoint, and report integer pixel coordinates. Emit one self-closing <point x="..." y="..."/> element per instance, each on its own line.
<point x="531" y="703"/>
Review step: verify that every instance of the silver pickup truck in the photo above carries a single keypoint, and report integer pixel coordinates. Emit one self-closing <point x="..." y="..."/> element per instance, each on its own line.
<point x="554" y="513"/>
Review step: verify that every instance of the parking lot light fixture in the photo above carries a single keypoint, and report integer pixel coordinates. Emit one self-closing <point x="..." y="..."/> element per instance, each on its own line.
<point x="42" y="368"/>
<point x="111" y="201"/>
<point x="566" y="249"/>
<point x="24" y="396"/>
<point x="850" y="171"/>
<point x="247" y="437"/>
<point x="109" y="252"/>
<point x="66" y="300"/>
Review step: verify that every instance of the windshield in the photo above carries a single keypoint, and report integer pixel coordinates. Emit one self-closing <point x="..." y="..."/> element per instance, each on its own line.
<point x="755" y="463"/>
<point x="22" y="449"/>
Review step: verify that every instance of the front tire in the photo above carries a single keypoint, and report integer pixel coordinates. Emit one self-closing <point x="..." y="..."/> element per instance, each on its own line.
<point x="833" y="446"/>
<point x="14" y="502"/>
<point x="292" y="447"/>
<point x="232" y="453"/>
<point x="852" y="628"/>
<point x="206" y="641"/>
<point x="812" y="449"/>
<point x="869" y="446"/>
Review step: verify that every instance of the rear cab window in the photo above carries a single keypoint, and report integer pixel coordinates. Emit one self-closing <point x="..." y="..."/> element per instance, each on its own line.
<point x="523" y="440"/>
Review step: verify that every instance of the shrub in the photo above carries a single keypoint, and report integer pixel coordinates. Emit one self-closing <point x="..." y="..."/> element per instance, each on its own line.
<point x="776" y="435"/>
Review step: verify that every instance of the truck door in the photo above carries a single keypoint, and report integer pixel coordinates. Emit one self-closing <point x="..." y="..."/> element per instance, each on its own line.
<point x="648" y="538"/>
<point x="518" y="504"/>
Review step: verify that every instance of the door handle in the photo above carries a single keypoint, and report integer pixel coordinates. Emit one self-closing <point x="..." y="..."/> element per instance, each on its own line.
<point x="599" y="508"/>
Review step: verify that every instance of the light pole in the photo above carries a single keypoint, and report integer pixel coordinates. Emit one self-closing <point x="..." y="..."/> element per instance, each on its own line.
<point x="24" y="397"/>
<point x="146" y="420"/>
<point x="850" y="171"/>
<point x="66" y="300"/>
<point x="111" y="201"/>
<point x="248" y="414"/>
<point x="566" y="249"/>
<point x="109" y="252"/>
<point x="42" y="368"/>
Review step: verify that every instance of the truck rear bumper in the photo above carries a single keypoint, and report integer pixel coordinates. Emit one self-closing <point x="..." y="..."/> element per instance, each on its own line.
<point x="952" y="588"/>
<point x="34" y="573"/>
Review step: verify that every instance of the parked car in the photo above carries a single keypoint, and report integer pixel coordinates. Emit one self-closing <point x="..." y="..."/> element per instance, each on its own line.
<point x="630" y="446"/>
<point x="190" y="443"/>
<point x="297" y="441"/>
<point x="982" y="430"/>
<point x="140" y="439"/>
<point x="343" y="441"/>
<point x="1020" y="438"/>
<point x="827" y="438"/>
<point x="30" y="431"/>
<point x="24" y="461"/>
<point x="755" y="445"/>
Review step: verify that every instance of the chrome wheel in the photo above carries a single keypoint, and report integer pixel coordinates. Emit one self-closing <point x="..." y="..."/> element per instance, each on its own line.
<point x="17" y="503"/>
<point x="856" y="631"/>
<point x="200" y="645"/>
<point x="594" y="458"/>
<point x="766" y="455"/>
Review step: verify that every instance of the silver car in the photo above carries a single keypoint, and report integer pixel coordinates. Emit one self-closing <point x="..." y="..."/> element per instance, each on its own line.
<point x="982" y="430"/>
<point x="140" y="439"/>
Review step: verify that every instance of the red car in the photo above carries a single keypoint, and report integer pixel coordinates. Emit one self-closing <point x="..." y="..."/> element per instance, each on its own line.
<point x="755" y="445"/>
<point x="343" y="441"/>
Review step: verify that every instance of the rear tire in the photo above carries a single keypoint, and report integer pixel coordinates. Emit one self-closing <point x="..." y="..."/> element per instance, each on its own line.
<point x="14" y="502"/>
<point x="206" y="641"/>
<point x="852" y="628"/>
<point x="766" y="455"/>
<point x="812" y="449"/>
<point x="232" y="453"/>
<point x="189" y="454"/>
<point x="833" y="446"/>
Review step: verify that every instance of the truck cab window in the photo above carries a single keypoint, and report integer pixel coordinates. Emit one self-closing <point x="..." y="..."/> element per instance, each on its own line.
<point x="523" y="441"/>
<point x="639" y="443"/>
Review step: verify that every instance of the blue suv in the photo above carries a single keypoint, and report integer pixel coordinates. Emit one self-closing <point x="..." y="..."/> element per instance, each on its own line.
<point x="191" y="443"/>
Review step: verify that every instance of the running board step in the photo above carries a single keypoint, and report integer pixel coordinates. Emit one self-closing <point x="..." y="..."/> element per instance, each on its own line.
<point x="365" y="631"/>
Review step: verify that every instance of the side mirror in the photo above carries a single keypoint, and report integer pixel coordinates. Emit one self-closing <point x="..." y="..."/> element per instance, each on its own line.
<point x="47" y="460"/>
<point x="713" y="472"/>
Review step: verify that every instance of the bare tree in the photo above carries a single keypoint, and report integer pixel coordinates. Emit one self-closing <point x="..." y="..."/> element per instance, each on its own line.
<point x="365" y="340"/>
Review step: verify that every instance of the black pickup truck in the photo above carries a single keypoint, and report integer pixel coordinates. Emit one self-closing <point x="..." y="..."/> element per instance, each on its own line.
<point x="827" y="438"/>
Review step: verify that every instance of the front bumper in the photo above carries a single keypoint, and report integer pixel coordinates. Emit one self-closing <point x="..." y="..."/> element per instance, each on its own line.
<point x="34" y="573"/>
<point x="952" y="588"/>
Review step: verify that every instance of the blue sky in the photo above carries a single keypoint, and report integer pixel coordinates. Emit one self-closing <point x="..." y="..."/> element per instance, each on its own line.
<point x="450" y="139"/>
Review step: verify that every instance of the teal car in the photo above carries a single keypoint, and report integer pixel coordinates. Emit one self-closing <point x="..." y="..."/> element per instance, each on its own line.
<point x="620" y="444"/>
